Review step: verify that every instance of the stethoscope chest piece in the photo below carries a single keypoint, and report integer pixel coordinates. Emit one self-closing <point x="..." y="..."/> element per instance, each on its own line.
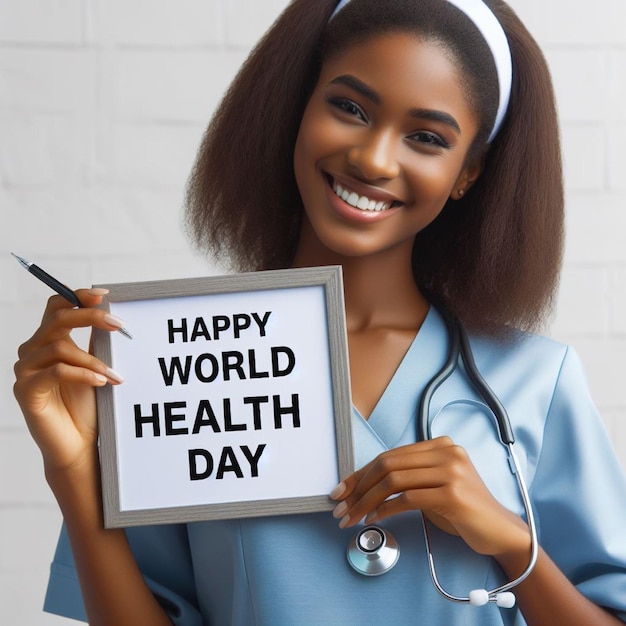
<point x="373" y="551"/>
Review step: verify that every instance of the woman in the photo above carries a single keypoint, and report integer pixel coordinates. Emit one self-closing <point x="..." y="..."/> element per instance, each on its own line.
<point x="387" y="137"/>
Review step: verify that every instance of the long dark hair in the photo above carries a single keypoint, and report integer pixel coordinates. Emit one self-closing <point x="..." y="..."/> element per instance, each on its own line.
<point x="492" y="257"/>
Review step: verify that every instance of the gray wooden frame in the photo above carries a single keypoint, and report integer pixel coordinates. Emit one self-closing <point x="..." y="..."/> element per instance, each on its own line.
<point x="328" y="277"/>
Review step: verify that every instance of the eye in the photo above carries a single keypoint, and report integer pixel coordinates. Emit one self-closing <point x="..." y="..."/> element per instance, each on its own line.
<point x="429" y="138"/>
<point x="348" y="107"/>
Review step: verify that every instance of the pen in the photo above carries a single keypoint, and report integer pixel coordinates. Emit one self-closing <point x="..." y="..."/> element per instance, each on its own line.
<point x="59" y="287"/>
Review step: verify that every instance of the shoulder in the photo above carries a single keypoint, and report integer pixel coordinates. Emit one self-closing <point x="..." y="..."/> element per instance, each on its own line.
<point x="527" y="357"/>
<point x="543" y="386"/>
<point x="517" y="359"/>
<point x="524" y="370"/>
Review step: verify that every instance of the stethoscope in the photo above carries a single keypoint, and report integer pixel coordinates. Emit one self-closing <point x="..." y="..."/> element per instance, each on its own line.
<point x="374" y="551"/>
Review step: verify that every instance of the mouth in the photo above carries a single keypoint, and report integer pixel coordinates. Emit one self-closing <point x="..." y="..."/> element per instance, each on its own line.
<point x="359" y="201"/>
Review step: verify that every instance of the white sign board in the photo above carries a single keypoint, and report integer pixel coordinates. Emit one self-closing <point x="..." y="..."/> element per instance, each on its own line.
<point x="236" y="398"/>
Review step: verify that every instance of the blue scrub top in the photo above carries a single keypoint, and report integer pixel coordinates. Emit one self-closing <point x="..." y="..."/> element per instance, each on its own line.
<point x="292" y="570"/>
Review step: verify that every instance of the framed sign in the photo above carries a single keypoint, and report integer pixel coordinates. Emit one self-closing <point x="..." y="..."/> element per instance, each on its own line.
<point x="236" y="399"/>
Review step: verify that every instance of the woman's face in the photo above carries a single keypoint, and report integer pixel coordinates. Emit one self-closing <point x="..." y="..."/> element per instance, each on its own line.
<point x="383" y="144"/>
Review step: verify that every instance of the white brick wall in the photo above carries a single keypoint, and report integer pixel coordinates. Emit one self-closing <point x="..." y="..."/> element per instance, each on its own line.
<point x="102" y="105"/>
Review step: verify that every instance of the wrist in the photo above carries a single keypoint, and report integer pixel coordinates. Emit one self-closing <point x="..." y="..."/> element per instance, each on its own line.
<point x="76" y="485"/>
<point x="515" y="556"/>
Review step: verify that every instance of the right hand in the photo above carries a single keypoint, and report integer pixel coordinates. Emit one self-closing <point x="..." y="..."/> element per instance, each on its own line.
<point x="55" y="382"/>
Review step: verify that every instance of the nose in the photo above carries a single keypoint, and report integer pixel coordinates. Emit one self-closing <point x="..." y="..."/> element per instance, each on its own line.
<point x="375" y="157"/>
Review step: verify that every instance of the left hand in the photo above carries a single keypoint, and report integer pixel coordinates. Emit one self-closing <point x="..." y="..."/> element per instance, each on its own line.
<point x="439" y="478"/>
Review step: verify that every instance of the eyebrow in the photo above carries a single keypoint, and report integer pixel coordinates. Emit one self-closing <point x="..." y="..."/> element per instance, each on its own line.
<point x="435" y="116"/>
<point x="359" y="86"/>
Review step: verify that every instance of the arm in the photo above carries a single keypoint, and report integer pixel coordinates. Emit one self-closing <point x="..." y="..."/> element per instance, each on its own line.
<point x="579" y="495"/>
<point x="55" y="388"/>
<point x="112" y="585"/>
<point x="437" y="477"/>
<point x="547" y="597"/>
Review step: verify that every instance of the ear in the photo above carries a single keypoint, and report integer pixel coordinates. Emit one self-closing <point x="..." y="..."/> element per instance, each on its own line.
<point x="468" y="176"/>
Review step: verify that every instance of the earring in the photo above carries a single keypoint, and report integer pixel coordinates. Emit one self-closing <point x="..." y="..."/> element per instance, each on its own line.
<point x="461" y="192"/>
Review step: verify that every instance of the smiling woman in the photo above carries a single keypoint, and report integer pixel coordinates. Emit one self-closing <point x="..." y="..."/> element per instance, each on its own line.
<point x="385" y="136"/>
<point x="481" y="237"/>
<point x="404" y="147"/>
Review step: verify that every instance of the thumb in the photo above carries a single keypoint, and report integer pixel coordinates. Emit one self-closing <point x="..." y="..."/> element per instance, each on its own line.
<point x="91" y="297"/>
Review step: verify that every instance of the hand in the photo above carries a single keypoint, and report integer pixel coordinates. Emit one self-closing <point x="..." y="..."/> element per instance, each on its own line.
<point x="55" y="381"/>
<point x="437" y="477"/>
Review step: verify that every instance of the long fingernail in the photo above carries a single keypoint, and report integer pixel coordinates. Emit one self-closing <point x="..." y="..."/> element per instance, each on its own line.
<point x="97" y="291"/>
<point x="114" y="376"/>
<point x="371" y="517"/>
<point x="338" y="491"/>
<point x="340" y="510"/>
<point x="101" y="379"/>
<point x="344" y="521"/>
<point x="114" y="321"/>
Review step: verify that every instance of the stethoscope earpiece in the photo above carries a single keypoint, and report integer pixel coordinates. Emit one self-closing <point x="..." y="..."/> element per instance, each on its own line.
<point x="373" y="551"/>
<point x="505" y="600"/>
<point x="480" y="597"/>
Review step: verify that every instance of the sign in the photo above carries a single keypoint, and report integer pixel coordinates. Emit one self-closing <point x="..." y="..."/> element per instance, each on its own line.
<point x="236" y="398"/>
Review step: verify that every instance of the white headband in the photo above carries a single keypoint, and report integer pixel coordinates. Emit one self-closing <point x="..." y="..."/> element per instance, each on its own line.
<point x="493" y="33"/>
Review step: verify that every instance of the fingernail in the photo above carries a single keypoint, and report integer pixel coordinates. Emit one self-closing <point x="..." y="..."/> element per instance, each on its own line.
<point x="338" y="491"/>
<point x="113" y="321"/>
<point x="371" y="517"/>
<point x="340" y="510"/>
<point x="101" y="379"/>
<point x="344" y="521"/>
<point x="114" y="376"/>
<point x="97" y="291"/>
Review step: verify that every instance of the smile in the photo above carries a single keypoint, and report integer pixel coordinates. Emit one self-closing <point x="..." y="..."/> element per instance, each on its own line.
<point x="359" y="202"/>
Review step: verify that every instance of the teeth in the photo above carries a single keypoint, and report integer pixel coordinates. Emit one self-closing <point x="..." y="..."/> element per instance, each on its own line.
<point x="359" y="202"/>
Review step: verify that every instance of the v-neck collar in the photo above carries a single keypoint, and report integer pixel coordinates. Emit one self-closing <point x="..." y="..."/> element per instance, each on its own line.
<point x="396" y="409"/>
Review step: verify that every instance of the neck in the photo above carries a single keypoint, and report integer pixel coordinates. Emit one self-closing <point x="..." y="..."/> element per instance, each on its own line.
<point x="379" y="289"/>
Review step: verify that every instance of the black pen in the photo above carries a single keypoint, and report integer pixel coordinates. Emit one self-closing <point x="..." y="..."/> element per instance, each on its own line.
<point x="59" y="287"/>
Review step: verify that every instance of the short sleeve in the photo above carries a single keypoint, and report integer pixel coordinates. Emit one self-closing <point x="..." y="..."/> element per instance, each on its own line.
<point x="162" y="553"/>
<point x="579" y="494"/>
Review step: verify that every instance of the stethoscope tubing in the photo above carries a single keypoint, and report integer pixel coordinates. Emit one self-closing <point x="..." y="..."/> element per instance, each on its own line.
<point x="534" y="543"/>
<point x="372" y="562"/>
<point x="459" y="346"/>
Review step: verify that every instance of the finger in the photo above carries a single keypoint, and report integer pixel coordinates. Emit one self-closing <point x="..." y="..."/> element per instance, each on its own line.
<point x="401" y="504"/>
<point x="59" y="323"/>
<point x="412" y="467"/>
<point x="32" y="391"/>
<point x="87" y="297"/>
<point x="390" y="487"/>
<point x="451" y="479"/>
<point x="346" y="487"/>
<point x="62" y="351"/>
<point x="91" y="296"/>
<point x="389" y="469"/>
<point x="412" y="500"/>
